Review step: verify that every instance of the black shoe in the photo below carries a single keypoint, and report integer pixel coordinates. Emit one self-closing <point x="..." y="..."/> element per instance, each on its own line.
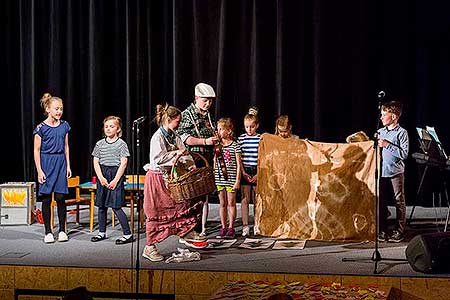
<point x="382" y="236"/>
<point x="124" y="240"/>
<point x="98" y="238"/>
<point x="396" y="237"/>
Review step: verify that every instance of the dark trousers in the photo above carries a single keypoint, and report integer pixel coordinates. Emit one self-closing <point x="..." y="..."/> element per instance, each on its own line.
<point x="397" y="185"/>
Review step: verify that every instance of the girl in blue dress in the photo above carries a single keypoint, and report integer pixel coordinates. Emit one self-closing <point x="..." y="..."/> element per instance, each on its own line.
<point x="51" y="157"/>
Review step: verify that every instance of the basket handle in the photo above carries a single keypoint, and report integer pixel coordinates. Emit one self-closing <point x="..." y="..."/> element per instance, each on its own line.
<point x="192" y="154"/>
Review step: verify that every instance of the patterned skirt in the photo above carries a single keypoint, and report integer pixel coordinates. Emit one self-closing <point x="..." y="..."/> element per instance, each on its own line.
<point x="165" y="217"/>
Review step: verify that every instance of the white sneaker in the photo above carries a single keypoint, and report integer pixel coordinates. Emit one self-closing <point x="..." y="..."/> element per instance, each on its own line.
<point x="151" y="253"/>
<point x="256" y="230"/>
<point x="62" y="237"/>
<point x="203" y="233"/>
<point x="49" y="238"/>
<point x="245" y="230"/>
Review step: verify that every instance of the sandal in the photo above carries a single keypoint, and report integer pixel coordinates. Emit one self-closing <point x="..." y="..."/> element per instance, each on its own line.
<point x="98" y="238"/>
<point x="123" y="240"/>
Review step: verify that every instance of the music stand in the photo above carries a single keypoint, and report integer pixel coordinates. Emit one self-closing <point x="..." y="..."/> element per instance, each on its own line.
<point x="433" y="155"/>
<point x="430" y="143"/>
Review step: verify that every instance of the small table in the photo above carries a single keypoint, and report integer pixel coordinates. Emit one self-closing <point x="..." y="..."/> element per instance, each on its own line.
<point x="130" y="188"/>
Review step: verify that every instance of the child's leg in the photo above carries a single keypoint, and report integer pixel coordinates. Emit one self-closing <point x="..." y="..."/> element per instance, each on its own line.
<point x="102" y="212"/>
<point x="253" y="198"/>
<point x="400" y="203"/>
<point x="123" y="220"/>
<point x="62" y="211"/>
<point x="246" y="193"/>
<point x="205" y="215"/>
<point x="223" y="208"/>
<point x="46" y="203"/>
<point x="231" y="197"/>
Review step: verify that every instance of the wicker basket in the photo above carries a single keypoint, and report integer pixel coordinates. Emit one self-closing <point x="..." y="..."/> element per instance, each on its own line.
<point x="193" y="184"/>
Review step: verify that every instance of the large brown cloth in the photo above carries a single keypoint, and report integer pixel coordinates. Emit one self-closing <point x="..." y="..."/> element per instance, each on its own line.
<point x="317" y="191"/>
<point x="166" y="217"/>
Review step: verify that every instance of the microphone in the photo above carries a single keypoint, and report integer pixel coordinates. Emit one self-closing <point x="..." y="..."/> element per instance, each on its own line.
<point x="381" y="95"/>
<point x="139" y="120"/>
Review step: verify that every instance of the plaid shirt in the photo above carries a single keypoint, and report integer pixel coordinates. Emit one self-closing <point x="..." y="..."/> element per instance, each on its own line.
<point x="195" y="124"/>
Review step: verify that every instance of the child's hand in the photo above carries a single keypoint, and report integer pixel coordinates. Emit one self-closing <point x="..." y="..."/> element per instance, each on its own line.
<point x="253" y="179"/>
<point x="112" y="185"/>
<point x="382" y="143"/>
<point x="247" y="177"/>
<point x="103" y="181"/>
<point x="41" y="177"/>
<point x="236" y="186"/>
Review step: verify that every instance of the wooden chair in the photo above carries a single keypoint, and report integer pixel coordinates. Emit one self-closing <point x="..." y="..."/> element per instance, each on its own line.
<point x="129" y="197"/>
<point x="73" y="184"/>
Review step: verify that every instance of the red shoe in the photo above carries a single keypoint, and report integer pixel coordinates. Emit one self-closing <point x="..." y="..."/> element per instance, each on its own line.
<point x="230" y="233"/>
<point x="222" y="233"/>
<point x="196" y="245"/>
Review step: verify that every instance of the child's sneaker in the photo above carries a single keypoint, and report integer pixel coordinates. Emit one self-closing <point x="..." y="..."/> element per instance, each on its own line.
<point x="382" y="236"/>
<point x="245" y="230"/>
<point x="230" y="233"/>
<point x="49" y="238"/>
<point x="222" y="233"/>
<point x="256" y="230"/>
<point x="396" y="237"/>
<point x="62" y="237"/>
<point x="151" y="253"/>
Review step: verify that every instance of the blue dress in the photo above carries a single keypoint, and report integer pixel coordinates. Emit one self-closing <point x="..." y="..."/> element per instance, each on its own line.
<point x="53" y="158"/>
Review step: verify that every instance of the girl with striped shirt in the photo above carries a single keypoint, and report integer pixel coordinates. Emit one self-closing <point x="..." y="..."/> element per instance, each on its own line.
<point x="249" y="142"/>
<point x="110" y="158"/>
<point x="227" y="183"/>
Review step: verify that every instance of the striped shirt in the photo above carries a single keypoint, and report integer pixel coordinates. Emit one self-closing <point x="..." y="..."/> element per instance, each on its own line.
<point x="230" y="156"/>
<point x="109" y="154"/>
<point x="249" y="146"/>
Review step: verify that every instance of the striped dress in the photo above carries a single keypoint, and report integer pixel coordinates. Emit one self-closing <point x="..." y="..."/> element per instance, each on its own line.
<point x="229" y="154"/>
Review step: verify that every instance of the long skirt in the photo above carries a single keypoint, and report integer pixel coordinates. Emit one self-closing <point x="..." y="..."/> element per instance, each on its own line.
<point x="165" y="217"/>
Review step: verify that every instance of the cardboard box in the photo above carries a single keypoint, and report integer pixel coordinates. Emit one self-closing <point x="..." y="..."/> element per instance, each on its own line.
<point x="17" y="203"/>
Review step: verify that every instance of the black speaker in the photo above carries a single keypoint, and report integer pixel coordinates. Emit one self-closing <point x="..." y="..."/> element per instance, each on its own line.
<point x="429" y="253"/>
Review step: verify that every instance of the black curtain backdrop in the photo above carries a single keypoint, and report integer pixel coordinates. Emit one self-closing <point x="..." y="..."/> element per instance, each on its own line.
<point x="321" y="62"/>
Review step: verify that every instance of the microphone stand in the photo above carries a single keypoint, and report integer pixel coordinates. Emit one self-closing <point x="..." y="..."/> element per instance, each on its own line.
<point x="376" y="255"/>
<point x="136" y="184"/>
